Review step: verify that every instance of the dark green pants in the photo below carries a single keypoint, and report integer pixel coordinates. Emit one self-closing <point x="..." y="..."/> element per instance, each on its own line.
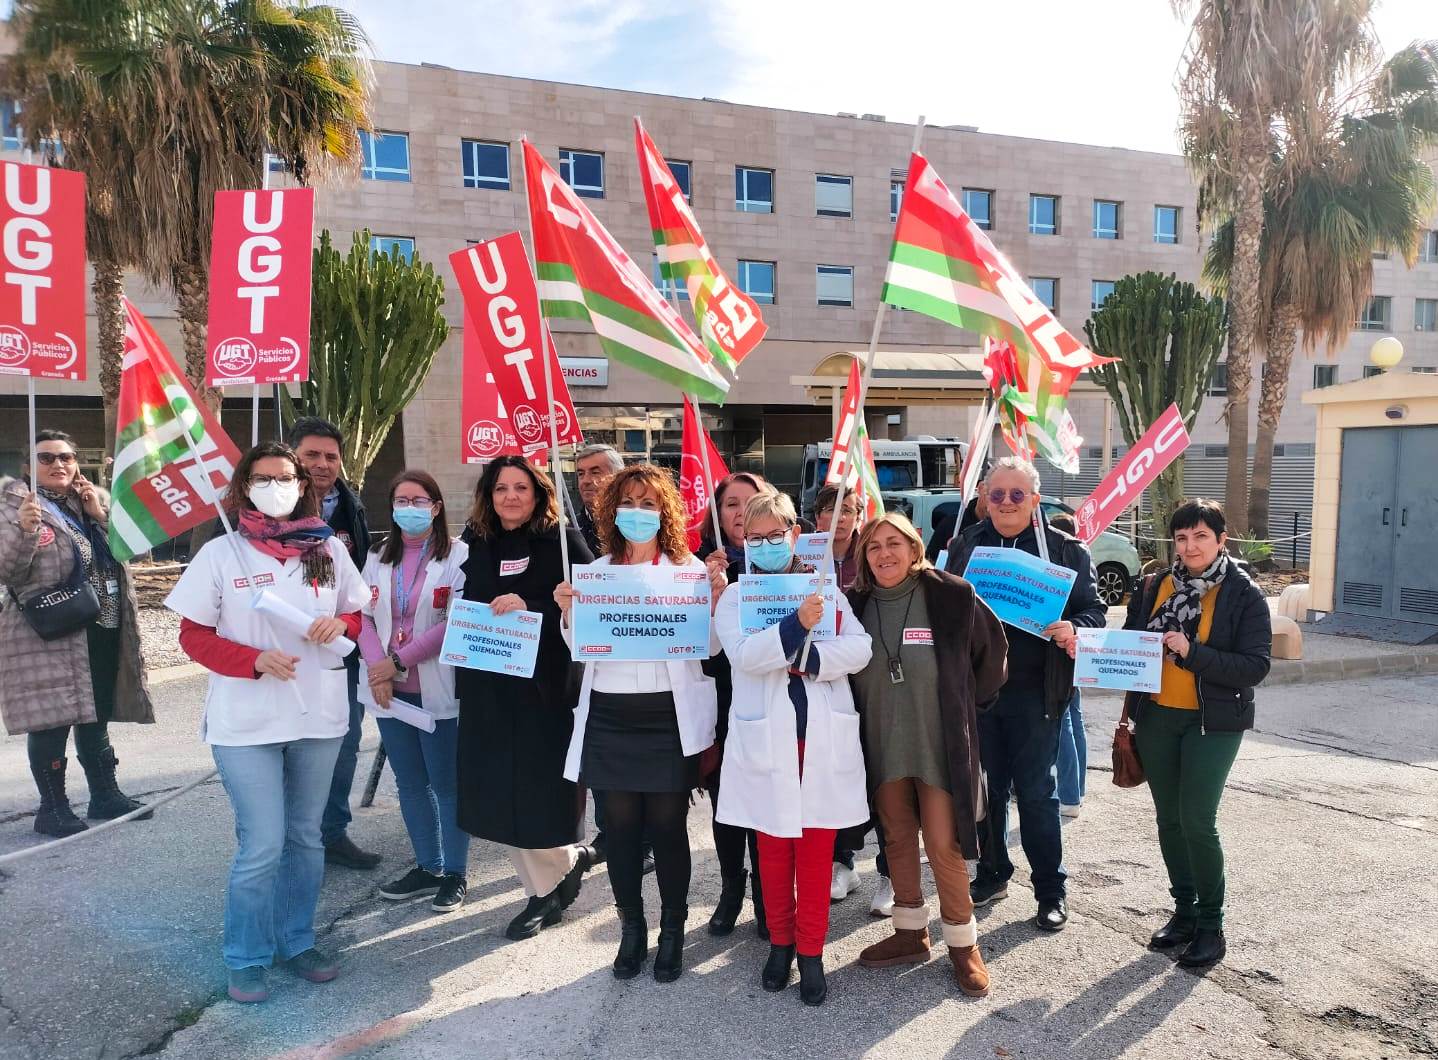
<point x="1186" y="772"/>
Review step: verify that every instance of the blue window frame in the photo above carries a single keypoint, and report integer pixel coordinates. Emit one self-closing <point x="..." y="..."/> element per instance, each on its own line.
<point x="979" y="204"/>
<point x="1101" y="290"/>
<point x="683" y="173"/>
<point x="583" y="171"/>
<point x="1165" y="224"/>
<point x="486" y="164"/>
<point x="389" y="244"/>
<point x="756" y="279"/>
<point x="385" y="155"/>
<point x="753" y="190"/>
<point x="1044" y="215"/>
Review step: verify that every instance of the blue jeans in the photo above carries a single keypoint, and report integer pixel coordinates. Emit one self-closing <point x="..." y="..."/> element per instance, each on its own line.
<point x="337" y="810"/>
<point x="277" y="791"/>
<point x="1073" y="754"/>
<point x="1018" y="746"/>
<point x="425" y="765"/>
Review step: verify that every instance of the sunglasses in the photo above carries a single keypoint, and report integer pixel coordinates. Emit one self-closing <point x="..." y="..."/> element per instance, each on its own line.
<point x="55" y="458"/>
<point x="1015" y="496"/>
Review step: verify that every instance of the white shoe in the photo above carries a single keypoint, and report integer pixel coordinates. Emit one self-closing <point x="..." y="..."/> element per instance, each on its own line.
<point x="1069" y="811"/>
<point x="844" y="882"/>
<point x="883" y="903"/>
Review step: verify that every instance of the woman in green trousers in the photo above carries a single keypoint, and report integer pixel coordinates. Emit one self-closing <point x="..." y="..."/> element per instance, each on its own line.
<point x="1217" y="634"/>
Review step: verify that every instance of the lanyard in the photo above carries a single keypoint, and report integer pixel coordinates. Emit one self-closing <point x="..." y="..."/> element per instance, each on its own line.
<point x="402" y="594"/>
<point x="896" y="666"/>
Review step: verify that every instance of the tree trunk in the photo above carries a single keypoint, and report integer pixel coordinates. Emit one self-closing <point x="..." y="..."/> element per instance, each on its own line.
<point x="1166" y="496"/>
<point x="1282" y="341"/>
<point x="1243" y="298"/>
<point x="108" y="286"/>
<point x="192" y="303"/>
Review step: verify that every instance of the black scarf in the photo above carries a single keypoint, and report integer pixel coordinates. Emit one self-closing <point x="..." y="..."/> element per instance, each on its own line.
<point x="1181" y="611"/>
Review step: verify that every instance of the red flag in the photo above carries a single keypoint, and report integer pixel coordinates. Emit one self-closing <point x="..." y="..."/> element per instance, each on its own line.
<point x="42" y="272"/>
<point x="1162" y="444"/>
<point x="487" y="432"/>
<point x="852" y="456"/>
<point x="692" y="485"/>
<point x="261" y="258"/>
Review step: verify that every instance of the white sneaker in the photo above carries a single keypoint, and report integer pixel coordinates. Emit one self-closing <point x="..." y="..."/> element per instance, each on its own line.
<point x="844" y="882"/>
<point x="883" y="903"/>
<point x="1069" y="811"/>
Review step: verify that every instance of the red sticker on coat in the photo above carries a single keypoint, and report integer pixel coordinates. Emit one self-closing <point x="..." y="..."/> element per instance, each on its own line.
<point x="510" y="567"/>
<point x="441" y="598"/>
<point x="47" y="537"/>
<point x="918" y="635"/>
<point x="373" y="595"/>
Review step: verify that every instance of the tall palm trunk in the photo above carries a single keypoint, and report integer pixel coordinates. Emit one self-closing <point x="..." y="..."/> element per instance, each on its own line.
<point x="1243" y="326"/>
<point x="192" y="302"/>
<point x="108" y="286"/>
<point x="1273" y="394"/>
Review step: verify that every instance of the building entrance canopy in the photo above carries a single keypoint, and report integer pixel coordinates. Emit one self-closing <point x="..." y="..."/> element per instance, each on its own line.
<point x="913" y="377"/>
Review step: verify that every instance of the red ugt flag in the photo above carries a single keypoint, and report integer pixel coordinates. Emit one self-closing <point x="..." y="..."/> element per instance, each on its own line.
<point x="694" y="490"/>
<point x="42" y="272"/>
<point x="485" y="423"/>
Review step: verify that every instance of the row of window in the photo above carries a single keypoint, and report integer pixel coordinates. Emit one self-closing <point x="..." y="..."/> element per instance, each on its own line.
<point x="1323" y="375"/>
<point x="1378" y="313"/>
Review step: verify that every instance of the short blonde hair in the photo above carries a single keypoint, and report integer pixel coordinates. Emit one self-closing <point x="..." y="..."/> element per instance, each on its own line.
<point x="864" y="579"/>
<point x="773" y="504"/>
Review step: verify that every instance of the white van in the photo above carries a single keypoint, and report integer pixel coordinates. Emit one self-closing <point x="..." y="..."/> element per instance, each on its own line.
<point x="915" y="463"/>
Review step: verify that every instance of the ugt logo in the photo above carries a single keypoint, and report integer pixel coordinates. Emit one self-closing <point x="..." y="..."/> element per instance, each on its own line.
<point x="527" y="423"/>
<point x="14" y="346"/>
<point x="485" y="439"/>
<point x="237" y="356"/>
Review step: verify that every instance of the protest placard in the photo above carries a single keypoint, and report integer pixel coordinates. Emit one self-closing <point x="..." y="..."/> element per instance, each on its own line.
<point x="478" y="639"/>
<point x="641" y="613"/>
<point x="1126" y="659"/>
<point x="1021" y="589"/>
<point x="764" y="600"/>
<point x="810" y="549"/>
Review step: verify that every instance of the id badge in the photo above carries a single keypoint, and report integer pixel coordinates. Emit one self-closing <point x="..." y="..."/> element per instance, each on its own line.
<point x="112" y="586"/>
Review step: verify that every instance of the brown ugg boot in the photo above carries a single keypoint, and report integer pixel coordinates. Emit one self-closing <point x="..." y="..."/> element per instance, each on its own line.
<point x="909" y="944"/>
<point x="969" y="970"/>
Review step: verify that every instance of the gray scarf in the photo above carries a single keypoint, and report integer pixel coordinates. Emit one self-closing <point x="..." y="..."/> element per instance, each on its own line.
<point x="1181" y="610"/>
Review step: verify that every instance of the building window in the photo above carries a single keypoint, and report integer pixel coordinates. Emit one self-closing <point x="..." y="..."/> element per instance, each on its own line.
<point x="1101" y="290"/>
<point x="756" y="279"/>
<point x="896" y="198"/>
<point x="1425" y="314"/>
<point x="753" y="190"/>
<point x="1218" y="386"/>
<point x="1044" y="215"/>
<point x="1165" y="224"/>
<point x="1046" y="290"/>
<point x="1375" y="314"/>
<point x="833" y="196"/>
<point x="979" y="204"/>
<point x="681" y="171"/>
<point x="486" y="164"/>
<point x="1380" y="255"/>
<point x="1107" y="218"/>
<point x="10" y="124"/>
<point x="583" y="171"/>
<point x="1370" y="370"/>
<point x="670" y="289"/>
<point x="1324" y="375"/>
<point x="385" y="155"/>
<point x="1424" y="369"/>
<point x="387" y="245"/>
<point x="1428" y="247"/>
<point x="835" y="284"/>
<point x="275" y="164"/>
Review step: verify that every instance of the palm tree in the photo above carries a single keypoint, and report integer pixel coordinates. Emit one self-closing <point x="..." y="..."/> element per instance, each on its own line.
<point x="1352" y="180"/>
<point x="164" y="102"/>
<point x="1244" y="60"/>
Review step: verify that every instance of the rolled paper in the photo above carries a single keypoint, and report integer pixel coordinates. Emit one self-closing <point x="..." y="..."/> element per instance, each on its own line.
<point x="291" y="619"/>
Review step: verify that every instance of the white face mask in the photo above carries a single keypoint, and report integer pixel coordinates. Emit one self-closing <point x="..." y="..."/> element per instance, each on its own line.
<point x="275" y="500"/>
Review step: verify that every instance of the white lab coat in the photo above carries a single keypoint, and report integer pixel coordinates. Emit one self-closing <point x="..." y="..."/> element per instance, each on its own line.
<point x="696" y="702"/>
<point x="759" y="783"/>
<point x="441" y="584"/>
<point x="216" y="591"/>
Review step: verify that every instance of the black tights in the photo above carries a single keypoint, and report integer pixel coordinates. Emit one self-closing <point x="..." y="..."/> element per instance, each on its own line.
<point x="48" y="745"/>
<point x="730" y="840"/>
<point x="631" y="818"/>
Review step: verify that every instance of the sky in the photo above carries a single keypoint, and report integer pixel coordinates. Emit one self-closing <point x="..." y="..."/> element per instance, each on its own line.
<point x="1085" y="71"/>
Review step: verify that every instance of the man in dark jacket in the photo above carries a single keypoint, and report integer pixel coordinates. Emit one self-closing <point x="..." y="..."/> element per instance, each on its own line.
<point x="594" y="466"/>
<point x="976" y="511"/>
<point x="318" y="443"/>
<point x="1019" y="736"/>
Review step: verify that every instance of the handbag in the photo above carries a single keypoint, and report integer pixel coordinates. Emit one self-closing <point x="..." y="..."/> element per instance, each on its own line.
<point x="1127" y="767"/>
<point x="65" y="609"/>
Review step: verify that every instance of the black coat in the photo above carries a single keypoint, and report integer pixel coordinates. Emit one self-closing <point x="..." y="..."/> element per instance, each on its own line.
<point x="350" y="523"/>
<point x="1228" y="665"/>
<point x="514" y="732"/>
<point x="972" y="655"/>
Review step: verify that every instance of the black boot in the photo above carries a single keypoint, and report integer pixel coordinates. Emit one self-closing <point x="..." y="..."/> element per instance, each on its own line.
<point x="55" y="816"/>
<point x="731" y="902"/>
<point x="813" y="988"/>
<point x="568" y="889"/>
<point x="542" y="911"/>
<point x="775" y="976"/>
<point x="633" y="943"/>
<point x="107" y="801"/>
<point x="669" y="956"/>
<point x="1208" y="947"/>
<point x="1177" y="932"/>
<point x="756" y="892"/>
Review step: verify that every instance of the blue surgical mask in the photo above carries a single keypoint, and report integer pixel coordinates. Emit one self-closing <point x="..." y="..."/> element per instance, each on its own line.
<point x="638" y="525"/>
<point x="412" y="521"/>
<point x="770" y="557"/>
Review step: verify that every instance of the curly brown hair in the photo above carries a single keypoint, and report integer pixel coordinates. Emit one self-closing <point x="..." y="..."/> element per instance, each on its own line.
<point x="482" y="518"/>
<point x="673" y="525"/>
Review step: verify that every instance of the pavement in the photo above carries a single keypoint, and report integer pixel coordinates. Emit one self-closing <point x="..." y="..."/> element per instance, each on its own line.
<point x="111" y="946"/>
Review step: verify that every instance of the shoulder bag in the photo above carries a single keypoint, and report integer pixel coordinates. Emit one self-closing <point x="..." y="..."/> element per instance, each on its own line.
<point x="65" y="609"/>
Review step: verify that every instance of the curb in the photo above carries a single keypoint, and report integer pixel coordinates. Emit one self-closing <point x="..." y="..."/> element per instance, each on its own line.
<point x="1296" y="671"/>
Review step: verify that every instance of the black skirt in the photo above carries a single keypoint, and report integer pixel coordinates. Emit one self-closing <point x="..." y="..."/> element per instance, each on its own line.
<point x="631" y="743"/>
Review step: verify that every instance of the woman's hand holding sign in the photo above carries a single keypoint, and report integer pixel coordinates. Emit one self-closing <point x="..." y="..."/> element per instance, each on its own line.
<point x="1062" y="633"/>
<point x="503" y="605"/>
<point x="811" y="611"/>
<point x="564" y="596"/>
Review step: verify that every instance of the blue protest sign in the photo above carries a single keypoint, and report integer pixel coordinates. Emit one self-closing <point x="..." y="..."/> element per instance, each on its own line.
<point x="1126" y="659"/>
<point x="641" y="613"/>
<point x="478" y="639"/>
<point x="1022" y="590"/>
<point x="764" y="600"/>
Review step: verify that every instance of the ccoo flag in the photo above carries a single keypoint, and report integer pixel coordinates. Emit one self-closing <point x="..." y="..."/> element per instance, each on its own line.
<point x="159" y="490"/>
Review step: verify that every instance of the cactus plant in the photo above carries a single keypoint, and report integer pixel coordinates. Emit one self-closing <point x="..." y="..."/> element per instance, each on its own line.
<point x="1167" y="337"/>
<point x="375" y="327"/>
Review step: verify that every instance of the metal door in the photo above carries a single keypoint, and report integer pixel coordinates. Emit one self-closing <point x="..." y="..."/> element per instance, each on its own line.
<point x="1415" y="565"/>
<point x="1363" y="575"/>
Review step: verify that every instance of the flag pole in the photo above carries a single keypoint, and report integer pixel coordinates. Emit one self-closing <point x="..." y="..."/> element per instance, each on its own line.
<point x="1038" y="516"/>
<point x="549" y="354"/>
<point x="703" y="435"/>
<point x="873" y="354"/>
<point x="34" y="459"/>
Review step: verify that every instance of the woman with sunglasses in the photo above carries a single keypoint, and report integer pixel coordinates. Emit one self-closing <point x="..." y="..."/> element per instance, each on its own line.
<point x="52" y="536"/>
<point x="277" y="707"/>
<point x="412" y="578"/>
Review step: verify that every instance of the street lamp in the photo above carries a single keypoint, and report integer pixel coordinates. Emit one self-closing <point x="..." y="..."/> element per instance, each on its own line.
<point x="1386" y="352"/>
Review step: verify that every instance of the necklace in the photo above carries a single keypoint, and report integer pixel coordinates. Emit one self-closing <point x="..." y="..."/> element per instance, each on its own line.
<point x="896" y="666"/>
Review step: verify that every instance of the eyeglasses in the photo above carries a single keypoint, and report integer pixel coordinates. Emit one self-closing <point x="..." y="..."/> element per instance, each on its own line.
<point x="260" y="481"/>
<point x="1015" y="496"/>
<point x="421" y="504"/>
<point x="55" y="458"/>
<point x="778" y="537"/>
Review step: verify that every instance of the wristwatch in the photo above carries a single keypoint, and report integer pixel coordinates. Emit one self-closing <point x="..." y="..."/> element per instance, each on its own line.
<point x="400" y="670"/>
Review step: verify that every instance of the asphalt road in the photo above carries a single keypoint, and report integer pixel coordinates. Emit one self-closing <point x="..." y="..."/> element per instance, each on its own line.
<point x="111" y="947"/>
